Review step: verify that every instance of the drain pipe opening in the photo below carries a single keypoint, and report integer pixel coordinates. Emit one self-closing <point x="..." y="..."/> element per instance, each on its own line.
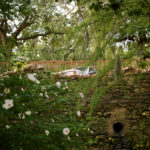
<point x="118" y="127"/>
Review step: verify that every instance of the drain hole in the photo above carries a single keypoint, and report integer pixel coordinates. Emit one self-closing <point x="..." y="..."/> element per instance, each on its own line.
<point x="118" y="127"/>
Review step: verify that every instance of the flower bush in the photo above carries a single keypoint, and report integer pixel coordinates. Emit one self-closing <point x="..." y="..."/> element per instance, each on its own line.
<point x="37" y="112"/>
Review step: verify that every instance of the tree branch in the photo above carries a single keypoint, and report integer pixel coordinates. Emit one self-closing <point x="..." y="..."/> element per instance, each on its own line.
<point x="131" y="38"/>
<point x="2" y="21"/>
<point x="38" y="34"/>
<point x="22" y="26"/>
<point x="3" y="25"/>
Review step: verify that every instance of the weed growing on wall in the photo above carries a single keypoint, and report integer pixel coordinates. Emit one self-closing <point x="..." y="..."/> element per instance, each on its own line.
<point x="138" y="140"/>
<point x="97" y="95"/>
<point x="93" y="88"/>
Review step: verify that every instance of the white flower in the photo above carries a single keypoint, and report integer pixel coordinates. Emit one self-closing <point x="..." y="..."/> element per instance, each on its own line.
<point x="52" y="120"/>
<point x="41" y="94"/>
<point x="7" y="126"/>
<point x="20" y="77"/>
<point x="43" y="88"/>
<point x="15" y="69"/>
<point x="66" y="131"/>
<point x="37" y="82"/>
<point x="78" y="113"/>
<point x="92" y="132"/>
<point x="21" y="116"/>
<point x="105" y="4"/>
<point x="47" y="132"/>
<point x="58" y="84"/>
<point x="6" y="91"/>
<point x="81" y="94"/>
<point x="1" y="94"/>
<point x="8" y="104"/>
<point x="77" y="134"/>
<point x="55" y="94"/>
<point x="31" y="76"/>
<point x="69" y="138"/>
<point x="28" y="113"/>
<point x="31" y="122"/>
<point x="46" y="95"/>
<point x="22" y="89"/>
<point x="66" y="87"/>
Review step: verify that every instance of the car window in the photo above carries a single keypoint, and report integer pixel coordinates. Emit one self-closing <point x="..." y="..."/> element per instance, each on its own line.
<point x="91" y="71"/>
<point x="82" y="68"/>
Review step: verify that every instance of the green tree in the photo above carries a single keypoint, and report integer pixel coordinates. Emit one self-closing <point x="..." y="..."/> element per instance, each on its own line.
<point x="21" y="20"/>
<point x="127" y="20"/>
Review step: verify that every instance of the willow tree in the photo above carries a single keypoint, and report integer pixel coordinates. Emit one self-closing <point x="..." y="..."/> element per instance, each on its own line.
<point x="124" y="20"/>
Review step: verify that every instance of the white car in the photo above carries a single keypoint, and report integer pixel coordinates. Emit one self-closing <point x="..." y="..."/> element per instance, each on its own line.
<point x="79" y="71"/>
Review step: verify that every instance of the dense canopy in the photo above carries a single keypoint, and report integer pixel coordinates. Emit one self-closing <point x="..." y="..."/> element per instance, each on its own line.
<point x="73" y="29"/>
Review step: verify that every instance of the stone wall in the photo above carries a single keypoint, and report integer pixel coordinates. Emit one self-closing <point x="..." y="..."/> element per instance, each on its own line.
<point x="125" y="109"/>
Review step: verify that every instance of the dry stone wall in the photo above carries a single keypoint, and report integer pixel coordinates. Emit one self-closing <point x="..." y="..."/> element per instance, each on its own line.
<point x="126" y="111"/>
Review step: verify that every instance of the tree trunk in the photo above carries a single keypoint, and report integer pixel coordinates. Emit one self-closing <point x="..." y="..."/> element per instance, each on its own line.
<point x="3" y="38"/>
<point x="4" y="49"/>
<point x="141" y="43"/>
<point x="140" y="49"/>
<point x="86" y="44"/>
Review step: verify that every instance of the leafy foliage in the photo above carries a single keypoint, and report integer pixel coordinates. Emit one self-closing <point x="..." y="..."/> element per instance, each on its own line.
<point x="9" y="8"/>
<point x="50" y="110"/>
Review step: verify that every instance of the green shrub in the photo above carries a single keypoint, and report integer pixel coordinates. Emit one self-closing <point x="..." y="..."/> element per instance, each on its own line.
<point x="38" y="115"/>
